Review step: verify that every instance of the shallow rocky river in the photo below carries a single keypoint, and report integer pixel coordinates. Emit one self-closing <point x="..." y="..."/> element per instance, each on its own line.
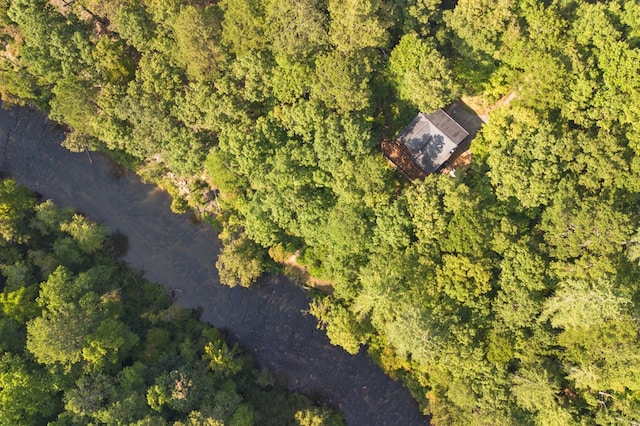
<point x="268" y="320"/>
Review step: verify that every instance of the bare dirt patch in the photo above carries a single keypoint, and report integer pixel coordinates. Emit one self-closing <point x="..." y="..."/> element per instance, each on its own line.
<point x="484" y="109"/>
<point x="300" y="274"/>
<point x="463" y="161"/>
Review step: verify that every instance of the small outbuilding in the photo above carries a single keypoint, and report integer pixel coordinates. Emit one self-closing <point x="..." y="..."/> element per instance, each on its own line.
<point x="430" y="141"/>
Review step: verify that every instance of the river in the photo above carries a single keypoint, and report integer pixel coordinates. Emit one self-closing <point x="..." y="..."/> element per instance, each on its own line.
<point x="268" y="320"/>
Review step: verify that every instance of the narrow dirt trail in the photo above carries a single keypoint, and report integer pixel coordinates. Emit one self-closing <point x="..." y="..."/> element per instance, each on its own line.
<point x="268" y="320"/>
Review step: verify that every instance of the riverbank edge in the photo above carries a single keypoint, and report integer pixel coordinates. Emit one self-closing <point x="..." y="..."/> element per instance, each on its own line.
<point x="114" y="156"/>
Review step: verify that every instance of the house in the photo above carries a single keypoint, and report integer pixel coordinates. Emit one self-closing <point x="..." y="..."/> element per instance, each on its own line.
<point x="431" y="141"/>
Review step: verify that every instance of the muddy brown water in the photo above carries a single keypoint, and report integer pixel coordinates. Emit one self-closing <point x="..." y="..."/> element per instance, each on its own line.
<point x="268" y="320"/>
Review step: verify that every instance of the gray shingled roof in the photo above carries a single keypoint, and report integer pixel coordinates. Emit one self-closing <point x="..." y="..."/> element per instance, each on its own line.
<point x="432" y="138"/>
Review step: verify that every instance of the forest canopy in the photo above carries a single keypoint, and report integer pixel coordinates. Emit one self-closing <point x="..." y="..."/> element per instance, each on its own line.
<point x="507" y="294"/>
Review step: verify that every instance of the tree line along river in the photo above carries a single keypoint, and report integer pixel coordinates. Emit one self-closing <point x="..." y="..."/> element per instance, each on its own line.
<point x="267" y="320"/>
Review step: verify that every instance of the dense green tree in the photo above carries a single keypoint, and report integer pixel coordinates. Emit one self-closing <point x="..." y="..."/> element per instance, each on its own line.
<point x="587" y="228"/>
<point x="536" y="391"/>
<point x="578" y="304"/>
<point x="15" y="203"/>
<point x="97" y="9"/>
<point x="113" y="61"/>
<point x="343" y="81"/>
<point x="342" y="327"/>
<point x="420" y="74"/>
<point x="291" y="80"/>
<point x="462" y="279"/>
<point x="17" y="299"/>
<point x="180" y="390"/>
<point x="55" y="46"/>
<point x="317" y="417"/>
<point x="109" y="344"/>
<point x="240" y="262"/>
<point x="529" y="162"/>
<point x="73" y="104"/>
<point x="356" y="25"/>
<point x="603" y="358"/>
<point x="522" y="286"/>
<point x="196" y="31"/>
<point x="90" y="395"/>
<point x="89" y="236"/>
<point x="17" y="85"/>
<point x="244" y="24"/>
<point x="253" y="75"/>
<point x="483" y="24"/>
<point x="418" y="15"/>
<point x="71" y="312"/>
<point x="296" y="29"/>
<point x="26" y="392"/>
<point x="134" y="24"/>
<point x="223" y="361"/>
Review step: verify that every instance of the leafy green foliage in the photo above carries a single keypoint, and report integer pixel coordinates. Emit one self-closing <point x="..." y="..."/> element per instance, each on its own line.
<point x="356" y="25"/>
<point x="317" y="417"/>
<point x="483" y="24"/>
<point x="342" y="326"/>
<point x="27" y="396"/>
<point x="296" y="29"/>
<point x="15" y="202"/>
<point x="504" y="295"/>
<point x="195" y="33"/>
<point x="342" y="81"/>
<point x="420" y="74"/>
<point x="240" y="262"/>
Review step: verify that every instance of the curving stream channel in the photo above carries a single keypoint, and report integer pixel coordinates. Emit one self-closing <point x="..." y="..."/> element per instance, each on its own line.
<point x="268" y="320"/>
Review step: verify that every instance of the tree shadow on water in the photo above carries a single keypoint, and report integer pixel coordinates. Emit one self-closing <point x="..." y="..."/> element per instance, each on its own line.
<point x="118" y="244"/>
<point x="197" y="312"/>
<point x="117" y="170"/>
